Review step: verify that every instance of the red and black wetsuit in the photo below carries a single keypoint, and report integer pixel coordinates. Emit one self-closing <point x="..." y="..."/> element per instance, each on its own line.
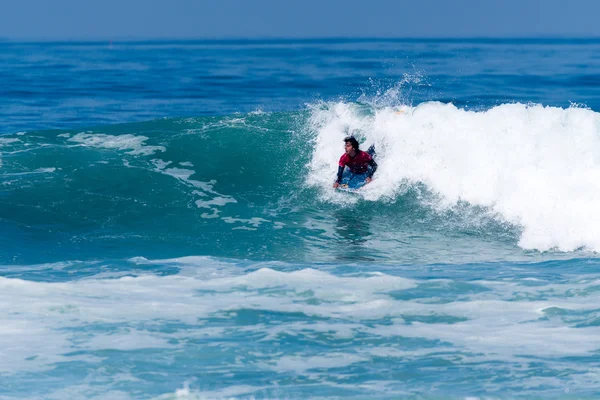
<point x="359" y="164"/>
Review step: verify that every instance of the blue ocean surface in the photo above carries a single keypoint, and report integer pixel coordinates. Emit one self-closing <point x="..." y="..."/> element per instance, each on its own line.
<point x="169" y="229"/>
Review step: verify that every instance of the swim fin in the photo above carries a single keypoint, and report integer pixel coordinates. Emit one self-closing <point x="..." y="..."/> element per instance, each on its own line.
<point x="371" y="151"/>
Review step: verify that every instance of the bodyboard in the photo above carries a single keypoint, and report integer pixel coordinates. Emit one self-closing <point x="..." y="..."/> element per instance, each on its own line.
<point x="353" y="182"/>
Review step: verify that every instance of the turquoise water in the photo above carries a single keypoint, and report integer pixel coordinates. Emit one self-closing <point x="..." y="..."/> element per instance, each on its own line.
<point x="170" y="230"/>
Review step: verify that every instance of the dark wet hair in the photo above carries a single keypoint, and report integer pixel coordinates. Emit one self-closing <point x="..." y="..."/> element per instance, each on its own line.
<point x="352" y="140"/>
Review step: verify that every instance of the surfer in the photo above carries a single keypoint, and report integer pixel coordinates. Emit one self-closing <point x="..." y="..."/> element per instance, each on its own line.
<point x="357" y="161"/>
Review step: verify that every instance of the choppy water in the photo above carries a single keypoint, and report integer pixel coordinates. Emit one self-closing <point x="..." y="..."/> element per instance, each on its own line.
<point x="169" y="229"/>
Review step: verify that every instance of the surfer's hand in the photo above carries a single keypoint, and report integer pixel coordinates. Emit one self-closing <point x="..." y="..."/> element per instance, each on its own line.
<point x="368" y="179"/>
<point x="335" y="185"/>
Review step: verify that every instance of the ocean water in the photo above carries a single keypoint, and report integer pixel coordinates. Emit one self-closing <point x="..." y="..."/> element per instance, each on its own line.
<point x="169" y="229"/>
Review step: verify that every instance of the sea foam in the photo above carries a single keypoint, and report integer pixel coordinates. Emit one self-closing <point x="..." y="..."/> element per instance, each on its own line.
<point x="533" y="166"/>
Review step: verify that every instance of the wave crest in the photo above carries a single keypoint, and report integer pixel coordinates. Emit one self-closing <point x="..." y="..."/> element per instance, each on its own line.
<point x="533" y="166"/>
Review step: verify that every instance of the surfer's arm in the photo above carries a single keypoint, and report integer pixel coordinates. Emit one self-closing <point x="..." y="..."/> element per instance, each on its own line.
<point x="339" y="174"/>
<point x="373" y="165"/>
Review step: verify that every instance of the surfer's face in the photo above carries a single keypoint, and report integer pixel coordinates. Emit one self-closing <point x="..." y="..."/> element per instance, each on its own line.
<point x="348" y="147"/>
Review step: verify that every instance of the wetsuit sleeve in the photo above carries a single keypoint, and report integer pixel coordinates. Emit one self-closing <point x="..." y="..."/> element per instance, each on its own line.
<point x="341" y="166"/>
<point x="339" y="174"/>
<point x="373" y="165"/>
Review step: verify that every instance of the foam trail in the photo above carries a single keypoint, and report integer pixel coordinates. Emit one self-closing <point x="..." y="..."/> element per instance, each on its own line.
<point x="135" y="144"/>
<point x="534" y="166"/>
<point x="306" y="324"/>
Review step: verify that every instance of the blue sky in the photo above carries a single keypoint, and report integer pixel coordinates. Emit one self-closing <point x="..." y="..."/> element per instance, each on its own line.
<point x="139" y="19"/>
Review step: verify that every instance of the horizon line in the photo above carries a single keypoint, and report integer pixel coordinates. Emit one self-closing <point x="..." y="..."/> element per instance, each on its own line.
<point x="305" y="39"/>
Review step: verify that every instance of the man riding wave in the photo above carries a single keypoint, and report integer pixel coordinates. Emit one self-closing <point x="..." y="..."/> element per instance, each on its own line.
<point x="357" y="161"/>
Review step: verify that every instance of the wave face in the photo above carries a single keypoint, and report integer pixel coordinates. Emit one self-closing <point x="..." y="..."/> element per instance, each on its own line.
<point x="509" y="179"/>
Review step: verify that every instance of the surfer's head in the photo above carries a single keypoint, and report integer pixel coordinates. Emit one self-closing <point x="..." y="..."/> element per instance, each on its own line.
<point x="351" y="140"/>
